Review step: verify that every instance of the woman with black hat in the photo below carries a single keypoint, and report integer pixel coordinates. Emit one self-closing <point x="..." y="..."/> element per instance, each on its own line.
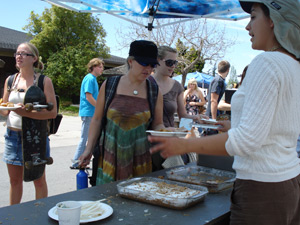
<point x="126" y="107"/>
<point x="263" y="142"/>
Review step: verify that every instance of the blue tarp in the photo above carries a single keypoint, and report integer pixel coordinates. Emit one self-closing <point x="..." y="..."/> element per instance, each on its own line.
<point x="217" y="9"/>
<point x="229" y="9"/>
<point x="203" y="80"/>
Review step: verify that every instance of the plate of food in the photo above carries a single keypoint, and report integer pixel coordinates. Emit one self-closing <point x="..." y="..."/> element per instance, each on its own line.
<point x="167" y="133"/>
<point x="90" y="211"/>
<point x="9" y="106"/>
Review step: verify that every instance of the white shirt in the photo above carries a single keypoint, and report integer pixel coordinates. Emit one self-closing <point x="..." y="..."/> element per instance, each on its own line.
<point x="265" y="120"/>
<point x="15" y="120"/>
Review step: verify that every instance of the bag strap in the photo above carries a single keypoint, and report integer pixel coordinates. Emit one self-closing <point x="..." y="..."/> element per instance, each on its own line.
<point x="10" y="81"/>
<point x="152" y="90"/>
<point x="110" y="91"/>
<point x="41" y="82"/>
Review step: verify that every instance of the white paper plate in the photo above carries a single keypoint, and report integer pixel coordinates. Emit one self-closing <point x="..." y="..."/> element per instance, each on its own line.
<point x="207" y="126"/>
<point x="108" y="210"/>
<point x="167" y="133"/>
<point x="10" y="108"/>
<point x="209" y="121"/>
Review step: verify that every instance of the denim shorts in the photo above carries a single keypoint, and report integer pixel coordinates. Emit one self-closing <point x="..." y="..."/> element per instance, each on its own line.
<point x="13" y="148"/>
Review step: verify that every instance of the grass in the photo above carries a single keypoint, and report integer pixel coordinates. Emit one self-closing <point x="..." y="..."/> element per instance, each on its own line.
<point x="67" y="109"/>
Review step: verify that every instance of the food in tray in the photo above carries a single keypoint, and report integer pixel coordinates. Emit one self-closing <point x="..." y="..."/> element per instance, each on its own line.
<point x="165" y="193"/>
<point x="180" y="129"/>
<point x="162" y="188"/>
<point x="215" y="180"/>
<point x="208" y="177"/>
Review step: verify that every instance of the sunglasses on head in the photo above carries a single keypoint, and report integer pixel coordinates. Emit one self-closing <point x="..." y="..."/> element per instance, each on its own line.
<point x="153" y="65"/>
<point x="170" y="62"/>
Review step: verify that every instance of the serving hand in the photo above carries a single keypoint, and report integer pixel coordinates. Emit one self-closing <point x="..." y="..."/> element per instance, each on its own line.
<point x="168" y="146"/>
<point x="225" y="125"/>
<point x="198" y="118"/>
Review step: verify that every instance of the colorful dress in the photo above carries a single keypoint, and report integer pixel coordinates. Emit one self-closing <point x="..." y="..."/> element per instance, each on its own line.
<point x="126" y="148"/>
<point x="192" y="109"/>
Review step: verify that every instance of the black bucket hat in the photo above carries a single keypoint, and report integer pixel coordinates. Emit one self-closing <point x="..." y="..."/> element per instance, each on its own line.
<point x="144" y="52"/>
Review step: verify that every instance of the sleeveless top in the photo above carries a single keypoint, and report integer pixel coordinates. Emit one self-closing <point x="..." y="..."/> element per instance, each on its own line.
<point x="14" y="120"/>
<point x="15" y="96"/>
<point x="125" y="153"/>
<point x="170" y="104"/>
<point x="192" y="109"/>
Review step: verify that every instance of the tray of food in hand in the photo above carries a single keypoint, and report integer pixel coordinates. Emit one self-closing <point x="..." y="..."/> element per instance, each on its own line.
<point x="209" y="121"/>
<point x="166" y="193"/>
<point x="9" y="106"/>
<point x="215" y="180"/>
<point x="177" y="132"/>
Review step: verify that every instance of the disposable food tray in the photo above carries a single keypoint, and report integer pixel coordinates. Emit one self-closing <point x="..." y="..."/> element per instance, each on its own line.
<point x="215" y="180"/>
<point x="166" y="193"/>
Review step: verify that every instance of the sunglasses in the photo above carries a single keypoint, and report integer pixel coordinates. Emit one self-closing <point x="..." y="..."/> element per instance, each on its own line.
<point x="170" y="62"/>
<point x="153" y="65"/>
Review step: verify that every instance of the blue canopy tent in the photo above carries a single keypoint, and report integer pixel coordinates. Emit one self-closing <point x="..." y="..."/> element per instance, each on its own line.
<point x="203" y="80"/>
<point x="154" y="9"/>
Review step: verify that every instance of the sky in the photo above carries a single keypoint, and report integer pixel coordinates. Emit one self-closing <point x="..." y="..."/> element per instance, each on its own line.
<point x="14" y="14"/>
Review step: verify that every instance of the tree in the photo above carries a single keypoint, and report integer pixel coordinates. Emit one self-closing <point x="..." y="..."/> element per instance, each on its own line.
<point x="187" y="56"/>
<point x="233" y="81"/>
<point x="198" y="41"/>
<point x="67" y="41"/>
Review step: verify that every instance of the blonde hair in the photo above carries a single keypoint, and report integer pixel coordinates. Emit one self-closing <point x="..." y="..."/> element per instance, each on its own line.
<point x="194" y="81"/>
<point x="94" y="62"/>
<point x="35" y="52"/>
<point x="127" y="61"/>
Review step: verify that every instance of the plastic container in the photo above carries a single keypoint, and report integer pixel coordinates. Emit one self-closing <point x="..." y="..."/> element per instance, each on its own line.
<point x="162" y="192"/>
<point x="82" y="179"/>
<point x="215" y="180"/>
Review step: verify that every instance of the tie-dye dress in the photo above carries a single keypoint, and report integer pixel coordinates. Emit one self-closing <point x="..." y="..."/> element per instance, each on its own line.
<point x="125" y="153"/>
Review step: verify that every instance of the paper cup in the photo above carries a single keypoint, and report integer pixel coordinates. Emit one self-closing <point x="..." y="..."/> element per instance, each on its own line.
<point x="68" y="212"/>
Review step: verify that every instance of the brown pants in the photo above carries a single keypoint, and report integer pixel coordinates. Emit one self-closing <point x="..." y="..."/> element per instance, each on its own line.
<point x="260" y="203"/>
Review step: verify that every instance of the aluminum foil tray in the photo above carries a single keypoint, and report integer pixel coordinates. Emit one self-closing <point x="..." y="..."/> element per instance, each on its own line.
<point x="166" y="193"/>
<point x="215" y="180"/>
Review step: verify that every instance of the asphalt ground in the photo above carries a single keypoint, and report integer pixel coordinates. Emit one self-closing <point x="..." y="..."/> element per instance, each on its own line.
<point x="60" y="178"/>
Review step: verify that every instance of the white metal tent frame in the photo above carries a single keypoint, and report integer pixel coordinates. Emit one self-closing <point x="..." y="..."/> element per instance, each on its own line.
<point x="150" y="10"/>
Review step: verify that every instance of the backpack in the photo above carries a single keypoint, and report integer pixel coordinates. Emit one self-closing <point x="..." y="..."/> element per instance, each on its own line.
<point x="53" y="124"/>
<point x="110" y="91"/>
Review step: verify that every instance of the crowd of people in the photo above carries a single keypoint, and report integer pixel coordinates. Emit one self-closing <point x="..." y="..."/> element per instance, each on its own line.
<point x="264" y="139"/>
